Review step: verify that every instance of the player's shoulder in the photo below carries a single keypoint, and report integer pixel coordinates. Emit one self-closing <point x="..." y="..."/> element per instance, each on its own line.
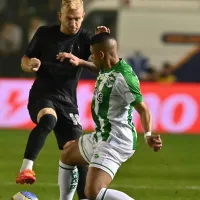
<point x="85" y="34"/>
<point x="125" y="71"/>
<point x="47" y="28"/>
<point x="124" y="67"/>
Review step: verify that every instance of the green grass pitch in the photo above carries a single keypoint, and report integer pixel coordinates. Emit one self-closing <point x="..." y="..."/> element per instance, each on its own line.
<point x="171" y="174"/>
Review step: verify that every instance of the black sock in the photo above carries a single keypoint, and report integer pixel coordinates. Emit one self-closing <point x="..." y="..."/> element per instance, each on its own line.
<point x="38" y="136"/>
<point x="82" y="170"/>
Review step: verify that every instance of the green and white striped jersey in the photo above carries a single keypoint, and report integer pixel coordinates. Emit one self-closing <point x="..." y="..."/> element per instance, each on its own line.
<point x="116" y="91"/>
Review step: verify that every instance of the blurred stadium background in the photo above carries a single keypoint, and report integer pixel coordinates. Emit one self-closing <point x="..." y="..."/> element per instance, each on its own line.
<point x="161" y="41"/>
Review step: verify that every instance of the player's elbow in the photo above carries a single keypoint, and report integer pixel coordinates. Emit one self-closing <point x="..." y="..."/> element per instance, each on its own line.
<point x="145" y="110"/>
<point x="142" y="108"/>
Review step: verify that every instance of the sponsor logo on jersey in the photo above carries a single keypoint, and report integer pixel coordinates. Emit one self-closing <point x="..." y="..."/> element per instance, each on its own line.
<point x="96" y="155"/>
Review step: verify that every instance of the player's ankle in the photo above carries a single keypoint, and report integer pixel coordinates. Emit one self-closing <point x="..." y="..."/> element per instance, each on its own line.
<point x="27" y="164"/>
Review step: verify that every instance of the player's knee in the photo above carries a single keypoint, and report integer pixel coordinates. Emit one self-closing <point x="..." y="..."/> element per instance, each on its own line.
<point x="92" y="191"/>
<point x="67" y="154"/>
<point x="68" y="143"/>
<point x="47" y="123"/>
<point x="46" y="111"/>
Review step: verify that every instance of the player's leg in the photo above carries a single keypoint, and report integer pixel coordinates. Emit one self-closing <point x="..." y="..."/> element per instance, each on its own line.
<point x="97" y="184"/>
<point x="104" y="163"/>
<point x="43" y="114"/>
<point x="67" y="130"/>
<point x="77" y="153"/>
<point x="68" y="173"/>
<point x="103" y="167"/>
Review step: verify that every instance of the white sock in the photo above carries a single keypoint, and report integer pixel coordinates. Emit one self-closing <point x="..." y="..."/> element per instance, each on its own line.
<point x="109" y="194"/>
<point x="67" y="181"/>
<point x="26" y="164"/>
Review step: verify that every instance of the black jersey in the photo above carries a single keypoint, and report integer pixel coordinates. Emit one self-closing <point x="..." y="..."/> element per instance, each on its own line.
<point x="56" y="79"/>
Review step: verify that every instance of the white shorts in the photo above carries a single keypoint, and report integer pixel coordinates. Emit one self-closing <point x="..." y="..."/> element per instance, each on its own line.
<point x="103" y="155"/>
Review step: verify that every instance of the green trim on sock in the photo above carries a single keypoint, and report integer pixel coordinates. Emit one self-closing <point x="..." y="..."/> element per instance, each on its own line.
<point x="66" y="168"/>
<point x="104" y="194"/>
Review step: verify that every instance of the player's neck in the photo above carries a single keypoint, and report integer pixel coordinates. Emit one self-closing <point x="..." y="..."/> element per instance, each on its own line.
<point x="111" y="62"/>
<point x="64" y="31"/>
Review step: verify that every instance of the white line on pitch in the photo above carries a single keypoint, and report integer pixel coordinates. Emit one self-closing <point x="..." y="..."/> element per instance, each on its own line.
<point x="128" y="186"/>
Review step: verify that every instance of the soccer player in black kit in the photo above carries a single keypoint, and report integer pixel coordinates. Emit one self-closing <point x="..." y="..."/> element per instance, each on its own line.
<point x="52" y="99"/>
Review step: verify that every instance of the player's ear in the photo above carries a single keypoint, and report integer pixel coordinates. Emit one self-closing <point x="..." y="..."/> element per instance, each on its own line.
<point x="83" y="15"/>
<point x="101" y="54"/>
<point x="59" y="16"/>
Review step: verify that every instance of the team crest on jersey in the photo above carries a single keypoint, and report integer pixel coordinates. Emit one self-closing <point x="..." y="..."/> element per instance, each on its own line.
<point x="110" y="82"/>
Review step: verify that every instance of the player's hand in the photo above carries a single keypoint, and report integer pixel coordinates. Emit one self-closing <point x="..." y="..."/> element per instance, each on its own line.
<point x="154" y="141"/>
<point x="34" y="64"/>
<point x="102" y="29"/>
<point x="75" y="61"/>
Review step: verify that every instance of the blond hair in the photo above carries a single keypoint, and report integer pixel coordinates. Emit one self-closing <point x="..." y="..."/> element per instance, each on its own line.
<point x="72" y="4"/>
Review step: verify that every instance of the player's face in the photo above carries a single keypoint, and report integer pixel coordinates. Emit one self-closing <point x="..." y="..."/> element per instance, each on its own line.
<point x="71" y="20"/>
<point x="97" y="57"/>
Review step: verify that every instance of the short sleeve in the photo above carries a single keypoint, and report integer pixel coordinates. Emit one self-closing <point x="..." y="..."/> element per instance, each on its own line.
<point x="34" y="47"/>
<point x="128" y="87"/>
<point x="86" y="47"/>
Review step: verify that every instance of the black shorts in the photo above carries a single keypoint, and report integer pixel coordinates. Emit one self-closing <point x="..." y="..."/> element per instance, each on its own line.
<point x="67" y="127"/>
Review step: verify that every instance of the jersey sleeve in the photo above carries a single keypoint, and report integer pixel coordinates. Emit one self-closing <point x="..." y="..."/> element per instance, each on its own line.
<point x="34" y="47"/>
<point x="86" y="48"/>
<point x="128" y="87"/>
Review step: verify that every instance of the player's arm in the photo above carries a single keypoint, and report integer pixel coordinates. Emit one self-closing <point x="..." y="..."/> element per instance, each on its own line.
<point x="145" y="117"/>
<point x="89" y="65"/>
<point x="77" y="62"/>
<point x="30" y="64"/>
<point x="25" y="64"/>
<point x="85" y="61"/>
<point x="34" y="64"/>
<point x="30" y="61"/>
<point x="129" y="88"/>
<point x="154" y="141"/>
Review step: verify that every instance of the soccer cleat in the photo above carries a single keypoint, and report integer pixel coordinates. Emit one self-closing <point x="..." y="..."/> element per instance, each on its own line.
<point x="26" y="177"/>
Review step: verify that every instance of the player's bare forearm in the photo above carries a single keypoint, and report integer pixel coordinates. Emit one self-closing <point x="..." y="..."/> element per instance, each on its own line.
<point x="146" y="121"/>
<point x="153" y="141"/>
<point x="145" y="116"/>
<point x="90" y="65"/>
<point x="24" y="64"/>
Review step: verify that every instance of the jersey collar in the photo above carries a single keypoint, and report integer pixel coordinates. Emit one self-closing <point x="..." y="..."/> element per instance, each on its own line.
<point x="114" y="67"/>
